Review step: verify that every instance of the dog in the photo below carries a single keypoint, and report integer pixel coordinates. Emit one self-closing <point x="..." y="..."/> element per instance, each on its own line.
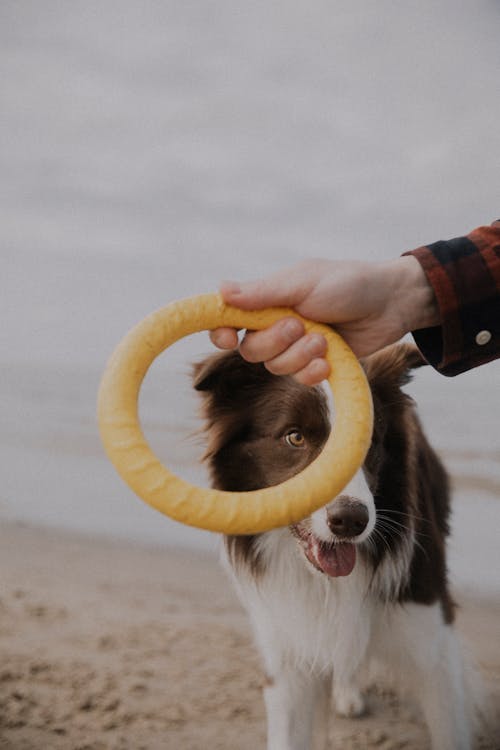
<point x="361" y="582"/>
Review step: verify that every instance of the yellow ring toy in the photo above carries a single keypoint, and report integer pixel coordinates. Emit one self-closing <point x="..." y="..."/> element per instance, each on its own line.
<point x="215" y="510"/>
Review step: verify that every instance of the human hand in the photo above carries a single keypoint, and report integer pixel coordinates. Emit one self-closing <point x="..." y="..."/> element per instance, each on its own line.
<point x="370" y="305"/>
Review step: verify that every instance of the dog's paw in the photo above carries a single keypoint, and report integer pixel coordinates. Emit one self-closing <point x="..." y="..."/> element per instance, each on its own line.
<point x="349" y="702"/>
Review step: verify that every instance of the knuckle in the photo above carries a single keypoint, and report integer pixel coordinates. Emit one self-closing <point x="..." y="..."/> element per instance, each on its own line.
<point x="289" y="330"/>
<point x="316" y="343"/>
<point x="275" y="368"/>
<point x="248" y="356"/>
<point x="314" y="372"/>
<point x="303" y="378"/>
<point x="249" y="349"/>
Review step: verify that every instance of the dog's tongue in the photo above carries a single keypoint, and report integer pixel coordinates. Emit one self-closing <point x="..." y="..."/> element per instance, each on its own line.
<point x="336" y="559"/>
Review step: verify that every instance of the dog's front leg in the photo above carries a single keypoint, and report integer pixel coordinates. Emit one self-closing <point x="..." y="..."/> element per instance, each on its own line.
<point x="296" y="704"/>
<point x="431" y="665"/>
<point x="444" y="697"/>
<point x="322" y="713"/>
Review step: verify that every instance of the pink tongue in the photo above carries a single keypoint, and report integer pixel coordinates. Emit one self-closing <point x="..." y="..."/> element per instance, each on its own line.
<point x="336" y="560"/>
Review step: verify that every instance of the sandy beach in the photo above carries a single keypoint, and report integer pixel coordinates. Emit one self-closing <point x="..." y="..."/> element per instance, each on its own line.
<point x="114" y="645"/>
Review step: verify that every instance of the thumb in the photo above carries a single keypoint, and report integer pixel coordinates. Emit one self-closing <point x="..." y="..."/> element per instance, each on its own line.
<point x="256" y="295"/>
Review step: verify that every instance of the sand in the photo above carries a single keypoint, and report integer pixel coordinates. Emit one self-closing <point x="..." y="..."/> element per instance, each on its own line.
<point x="107" y="644"/>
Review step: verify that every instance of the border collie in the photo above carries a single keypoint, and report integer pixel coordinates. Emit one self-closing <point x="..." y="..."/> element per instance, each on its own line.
<point x="362" y="581"/>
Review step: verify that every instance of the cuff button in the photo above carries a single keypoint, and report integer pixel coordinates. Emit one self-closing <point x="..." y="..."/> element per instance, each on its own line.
<point x="483" y="337"/>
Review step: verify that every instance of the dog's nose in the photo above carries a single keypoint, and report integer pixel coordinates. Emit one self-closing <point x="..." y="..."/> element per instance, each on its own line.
<point x="347" y="517"/>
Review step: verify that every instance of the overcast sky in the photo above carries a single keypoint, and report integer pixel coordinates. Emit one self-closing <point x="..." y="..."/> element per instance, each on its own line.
<point x="150" y="149"/>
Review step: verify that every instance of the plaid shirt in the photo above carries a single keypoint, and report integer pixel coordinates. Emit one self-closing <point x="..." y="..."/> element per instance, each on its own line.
<point x="465" y="276"/>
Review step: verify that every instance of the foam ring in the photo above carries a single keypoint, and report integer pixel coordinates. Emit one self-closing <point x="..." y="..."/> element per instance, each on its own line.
<point x="216" y="510"/>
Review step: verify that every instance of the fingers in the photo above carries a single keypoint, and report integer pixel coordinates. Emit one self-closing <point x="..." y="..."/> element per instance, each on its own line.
<point x="304" y="360"/>
<point x="278" y="290"/>
<point x="298" y="355"/>
<point x="224" y="338"/>
<point x="261" y="346"/>
<point x="286" y="350"/>
<point x="316" y="371"/>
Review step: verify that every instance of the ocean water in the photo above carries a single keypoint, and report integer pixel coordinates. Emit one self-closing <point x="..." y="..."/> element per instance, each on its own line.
<point x="151" y="149"/>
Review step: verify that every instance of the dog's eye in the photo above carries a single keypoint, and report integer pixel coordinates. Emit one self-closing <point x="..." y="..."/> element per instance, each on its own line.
<point x="295" y="439"/>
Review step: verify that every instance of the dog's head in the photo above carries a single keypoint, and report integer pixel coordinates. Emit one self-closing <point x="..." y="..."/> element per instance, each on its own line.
<point x="263" y="429"/>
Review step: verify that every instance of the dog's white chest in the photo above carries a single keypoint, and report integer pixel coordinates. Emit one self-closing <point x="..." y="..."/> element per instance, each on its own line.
<point x="320" y="623"/>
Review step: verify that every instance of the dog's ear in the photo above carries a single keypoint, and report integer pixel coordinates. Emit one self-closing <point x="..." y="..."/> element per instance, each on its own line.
<point x="228" y="385"/>
<point x="393" y="364"/>
<point x="223" y="373"/>
<point x="206" y="373"/>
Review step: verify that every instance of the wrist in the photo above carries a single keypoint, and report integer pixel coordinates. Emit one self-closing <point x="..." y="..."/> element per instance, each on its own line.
<point x="414" y="296"/>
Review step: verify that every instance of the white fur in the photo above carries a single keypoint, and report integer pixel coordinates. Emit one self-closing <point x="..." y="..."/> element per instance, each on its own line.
<point x="310" y="627"/>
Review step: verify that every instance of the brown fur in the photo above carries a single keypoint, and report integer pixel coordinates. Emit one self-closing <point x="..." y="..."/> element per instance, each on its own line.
<point x="248" y="412"/>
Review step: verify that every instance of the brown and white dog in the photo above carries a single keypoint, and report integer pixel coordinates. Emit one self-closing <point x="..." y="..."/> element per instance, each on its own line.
<point x="362" y="580"/>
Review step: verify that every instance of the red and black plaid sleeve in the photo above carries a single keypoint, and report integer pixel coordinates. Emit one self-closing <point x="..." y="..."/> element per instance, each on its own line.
<point x="465" y="275"/>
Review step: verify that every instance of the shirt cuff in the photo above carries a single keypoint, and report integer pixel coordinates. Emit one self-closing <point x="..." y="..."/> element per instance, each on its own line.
<point x="465" y="276"/>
